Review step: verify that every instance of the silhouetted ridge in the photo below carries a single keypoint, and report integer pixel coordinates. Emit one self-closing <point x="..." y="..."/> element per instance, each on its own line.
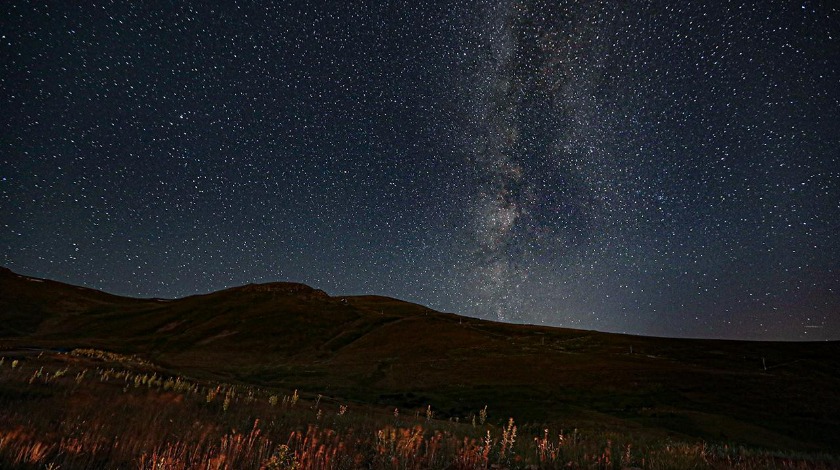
<point x="283" y="288"/>
<point x="376" y="349"/>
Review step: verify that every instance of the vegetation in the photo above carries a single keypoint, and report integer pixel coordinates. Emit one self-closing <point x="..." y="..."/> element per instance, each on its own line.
<point x="284" y="376"/>
<point x="92" y="409"/>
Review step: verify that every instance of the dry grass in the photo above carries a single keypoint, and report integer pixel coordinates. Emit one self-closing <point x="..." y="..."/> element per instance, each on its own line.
<point x="379" y="350"/>
<point x="90" y="411"/>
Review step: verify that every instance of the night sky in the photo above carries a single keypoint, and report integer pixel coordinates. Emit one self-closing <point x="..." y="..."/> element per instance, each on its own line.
<point x="652" y="168"/>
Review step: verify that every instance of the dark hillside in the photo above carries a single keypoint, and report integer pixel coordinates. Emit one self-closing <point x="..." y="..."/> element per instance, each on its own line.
<point x="385" y="351"/>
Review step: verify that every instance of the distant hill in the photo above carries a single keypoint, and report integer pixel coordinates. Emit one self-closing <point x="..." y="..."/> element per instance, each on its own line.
<point x="381" y="350"/>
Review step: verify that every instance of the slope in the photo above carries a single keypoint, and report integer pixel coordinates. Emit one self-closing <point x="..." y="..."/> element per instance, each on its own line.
<point x="381" y="350"/>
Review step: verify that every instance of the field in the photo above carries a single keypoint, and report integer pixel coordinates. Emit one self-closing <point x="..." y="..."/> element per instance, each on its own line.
<point x="284" y="376"/>
<point x="93" y="409"/>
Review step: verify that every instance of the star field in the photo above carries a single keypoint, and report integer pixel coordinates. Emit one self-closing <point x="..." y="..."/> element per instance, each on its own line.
<point x="658" y="169"/>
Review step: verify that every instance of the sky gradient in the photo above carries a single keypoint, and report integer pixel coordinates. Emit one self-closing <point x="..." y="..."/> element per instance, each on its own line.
<point x="641" y="167"/>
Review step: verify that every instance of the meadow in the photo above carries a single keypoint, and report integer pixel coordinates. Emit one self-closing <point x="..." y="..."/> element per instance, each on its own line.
<point x="285" y="376"/>
<point x="93" y="409"/>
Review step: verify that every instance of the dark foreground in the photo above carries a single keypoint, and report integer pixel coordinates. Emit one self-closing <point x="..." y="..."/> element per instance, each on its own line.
<point x="629" y="401"/>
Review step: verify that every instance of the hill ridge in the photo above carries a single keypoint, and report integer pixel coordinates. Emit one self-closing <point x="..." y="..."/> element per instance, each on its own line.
<point x="381" y="350"/>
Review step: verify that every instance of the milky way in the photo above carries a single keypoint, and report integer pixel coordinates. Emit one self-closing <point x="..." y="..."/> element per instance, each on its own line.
<point x="539" y="145"/>
<point x="661" y="169"/>
<point x="616" y="151"/>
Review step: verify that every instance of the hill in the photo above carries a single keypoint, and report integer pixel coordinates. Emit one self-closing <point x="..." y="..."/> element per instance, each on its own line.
<point x="379" y="350"/>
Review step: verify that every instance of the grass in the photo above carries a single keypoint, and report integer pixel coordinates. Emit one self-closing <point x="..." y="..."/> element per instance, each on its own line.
<point x="90" y="409"/>
<point x="199" y="379"/>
